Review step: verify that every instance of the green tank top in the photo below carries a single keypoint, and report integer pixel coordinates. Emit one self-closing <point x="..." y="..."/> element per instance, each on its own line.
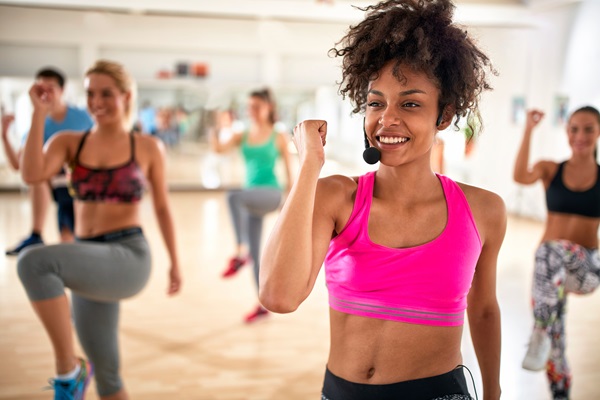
<point x="260" y="162"/>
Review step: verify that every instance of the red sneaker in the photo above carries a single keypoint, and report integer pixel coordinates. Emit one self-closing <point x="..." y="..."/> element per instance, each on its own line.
<point x="256" y="315"/>
<point x="234" y="265"/>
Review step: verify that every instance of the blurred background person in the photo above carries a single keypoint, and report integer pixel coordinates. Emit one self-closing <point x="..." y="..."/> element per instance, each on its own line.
<point x="167" y="126"/>
<point x="567" y="259"/>
<point x="60" y="116"/>
<point x="261" y="146"/>
<point x="110" y="169"/>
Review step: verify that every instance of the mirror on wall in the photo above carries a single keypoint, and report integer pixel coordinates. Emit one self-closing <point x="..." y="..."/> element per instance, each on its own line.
<point x="179" y="113"/>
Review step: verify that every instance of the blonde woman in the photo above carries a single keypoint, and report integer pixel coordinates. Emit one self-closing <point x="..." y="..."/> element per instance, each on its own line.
<point x="110" y="169"/>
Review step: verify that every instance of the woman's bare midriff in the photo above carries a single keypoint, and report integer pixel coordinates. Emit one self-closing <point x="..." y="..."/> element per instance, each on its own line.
<point x="374" y="351"/>
<point x="574" y="228"/>
<point x="96" y="218"/>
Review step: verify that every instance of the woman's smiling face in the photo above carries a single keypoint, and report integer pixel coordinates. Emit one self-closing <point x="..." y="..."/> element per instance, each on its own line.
<point x="583" y="131"/>
<point x="106" y="102"/>
<point x="401" y="114"/>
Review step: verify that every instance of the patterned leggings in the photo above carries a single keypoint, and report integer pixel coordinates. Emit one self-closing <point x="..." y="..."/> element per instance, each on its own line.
<point x="561" y="267"/>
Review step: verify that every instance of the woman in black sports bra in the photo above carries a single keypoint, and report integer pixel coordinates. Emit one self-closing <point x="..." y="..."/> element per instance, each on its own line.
<point x="567" y="259"/>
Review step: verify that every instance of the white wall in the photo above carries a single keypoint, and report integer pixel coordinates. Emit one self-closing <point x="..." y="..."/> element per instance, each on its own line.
<point x="581" y="76"/>
<point x="238" y="51"/>
<point x="548" y="49"/>
<point x="531" y="64"/>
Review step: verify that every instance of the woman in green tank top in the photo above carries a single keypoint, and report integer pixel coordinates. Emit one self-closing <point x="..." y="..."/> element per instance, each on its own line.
<point x="261" y="146"/>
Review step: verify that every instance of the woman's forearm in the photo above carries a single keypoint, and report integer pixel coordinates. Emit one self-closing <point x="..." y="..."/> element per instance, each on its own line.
<point x="10" y="153"/>
<point x="32" y="159"/>
<point x="486" y="337"/>
<point x="522" y="161"/>
<point x="167" y="229"/>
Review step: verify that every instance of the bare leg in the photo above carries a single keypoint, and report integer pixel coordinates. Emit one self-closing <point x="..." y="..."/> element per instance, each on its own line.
<point x="56" y="318"/>
<point x="40" y="200"/>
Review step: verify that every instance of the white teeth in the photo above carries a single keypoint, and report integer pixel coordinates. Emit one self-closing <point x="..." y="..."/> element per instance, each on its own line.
<point x="392" y="139"/>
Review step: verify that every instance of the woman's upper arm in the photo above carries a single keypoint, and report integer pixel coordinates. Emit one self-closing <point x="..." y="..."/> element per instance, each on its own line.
<point x="156" y="170"/>
<point x="232" y="142"/>
<point x="330" y="200"/>
<point x="57" y="152"/>
<point x="539" y="171"/>
<point x="490" y="216"/>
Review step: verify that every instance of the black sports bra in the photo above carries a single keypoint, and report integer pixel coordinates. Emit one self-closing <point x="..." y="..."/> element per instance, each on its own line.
<point x="560" y="199"/>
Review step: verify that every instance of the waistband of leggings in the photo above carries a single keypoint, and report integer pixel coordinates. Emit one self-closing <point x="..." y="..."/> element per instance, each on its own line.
<point x="113" y="236"/>
<point x="450" y="383"/>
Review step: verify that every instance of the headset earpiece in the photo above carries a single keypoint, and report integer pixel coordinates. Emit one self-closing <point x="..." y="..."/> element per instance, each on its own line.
<point x="440" y="118"/>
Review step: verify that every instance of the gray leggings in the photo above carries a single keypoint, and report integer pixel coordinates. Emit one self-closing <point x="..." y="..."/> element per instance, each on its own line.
<point x="247" y="208"/>
<point x="99" y="274"/>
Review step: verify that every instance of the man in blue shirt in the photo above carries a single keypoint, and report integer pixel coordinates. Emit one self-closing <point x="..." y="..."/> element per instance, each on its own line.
<point x="61" y="117"/>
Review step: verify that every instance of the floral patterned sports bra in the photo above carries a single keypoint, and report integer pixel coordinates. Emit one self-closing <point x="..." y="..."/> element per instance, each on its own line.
<point x="122" y="184"/>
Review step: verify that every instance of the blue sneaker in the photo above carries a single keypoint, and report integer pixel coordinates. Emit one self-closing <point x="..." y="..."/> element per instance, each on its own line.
<point x="31" y="240"/>
<point x="73" y="389"/>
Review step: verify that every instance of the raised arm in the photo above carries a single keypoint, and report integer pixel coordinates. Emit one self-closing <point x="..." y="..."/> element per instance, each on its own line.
<point x="483" y="310"/>
<point x="162" y="209"/>
<point x="218" y="146"/>
<point x="282" y="146"/>
<point x="39" y="164"/>
<point x="297" y="245"/>
<point x="11" y="155"/>
<point x="522" y="173"/>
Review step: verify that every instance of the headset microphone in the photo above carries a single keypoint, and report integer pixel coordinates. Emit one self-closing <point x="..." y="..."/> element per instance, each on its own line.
<point x="371" y="155"/>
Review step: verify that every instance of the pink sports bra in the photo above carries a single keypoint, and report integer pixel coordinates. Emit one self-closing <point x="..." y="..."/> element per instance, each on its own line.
<point x="426" y="284"/>
<point x="122" y="184"/>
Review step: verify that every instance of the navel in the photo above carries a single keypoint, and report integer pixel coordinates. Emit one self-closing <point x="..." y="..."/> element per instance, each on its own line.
<point x="370" y="373"/>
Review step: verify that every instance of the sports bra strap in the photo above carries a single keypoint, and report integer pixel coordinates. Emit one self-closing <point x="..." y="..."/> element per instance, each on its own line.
<point x="81" y="145"/>
<point x="85" y="135"/>
<point x="132" y="146"/>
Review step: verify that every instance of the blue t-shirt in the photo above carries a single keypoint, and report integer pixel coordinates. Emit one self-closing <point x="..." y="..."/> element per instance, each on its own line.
<point x="76" y="119"/>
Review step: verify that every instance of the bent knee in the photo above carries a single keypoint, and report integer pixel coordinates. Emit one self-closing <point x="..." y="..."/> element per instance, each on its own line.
<point x="29" y="259"/>
<point x="37" y="274"/>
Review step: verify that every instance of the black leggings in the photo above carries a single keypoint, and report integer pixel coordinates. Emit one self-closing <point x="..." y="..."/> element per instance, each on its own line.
<point x="451" y="386"/>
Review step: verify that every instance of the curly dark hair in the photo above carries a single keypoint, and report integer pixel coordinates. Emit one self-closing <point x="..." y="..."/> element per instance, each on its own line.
<point x="420" y="34"/>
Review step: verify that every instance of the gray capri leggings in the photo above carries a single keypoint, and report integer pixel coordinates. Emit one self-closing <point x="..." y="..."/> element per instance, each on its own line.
<point x="247" y="208"/>
<point x="99" y="271"/>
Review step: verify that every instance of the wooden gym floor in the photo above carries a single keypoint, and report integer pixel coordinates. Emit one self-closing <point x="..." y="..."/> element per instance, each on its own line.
<point x="195" y="345"/>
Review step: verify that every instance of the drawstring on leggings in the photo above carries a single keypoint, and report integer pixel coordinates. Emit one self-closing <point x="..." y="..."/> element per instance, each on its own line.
<point x="472" y="379"/>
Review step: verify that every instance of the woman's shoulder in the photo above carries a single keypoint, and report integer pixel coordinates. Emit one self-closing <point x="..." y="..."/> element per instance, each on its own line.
<point x="548" y="170"/>
<point x="338" y="186"/>
<point x="477" y="195"/>
<point x="148" y="144"/>
<point x="339" y="182"/>
<point x="335" y="196"/>
<point x="487" y="207"/>
<point x="146" y="139"/>
<point x="67" y="137"/>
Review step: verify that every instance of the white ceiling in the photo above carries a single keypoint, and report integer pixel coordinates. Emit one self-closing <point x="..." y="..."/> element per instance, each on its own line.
<point x="513" y="12"/>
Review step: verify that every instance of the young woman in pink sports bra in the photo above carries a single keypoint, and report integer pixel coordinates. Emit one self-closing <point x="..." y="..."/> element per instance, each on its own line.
<point x="406" y="251"/>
